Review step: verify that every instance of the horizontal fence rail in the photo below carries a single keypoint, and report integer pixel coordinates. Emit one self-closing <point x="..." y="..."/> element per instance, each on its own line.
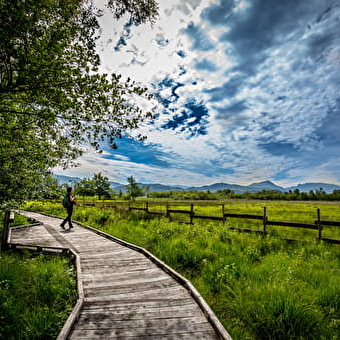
<point x="293" y="224"/>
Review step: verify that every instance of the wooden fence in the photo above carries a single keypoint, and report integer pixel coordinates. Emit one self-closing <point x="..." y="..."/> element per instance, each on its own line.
<point x="317" y="225"/>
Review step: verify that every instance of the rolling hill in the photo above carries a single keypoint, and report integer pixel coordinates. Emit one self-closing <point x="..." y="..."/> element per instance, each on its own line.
<point x="239" y="189"/>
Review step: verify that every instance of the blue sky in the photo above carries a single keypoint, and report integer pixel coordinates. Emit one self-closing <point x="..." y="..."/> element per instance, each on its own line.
<point x="244" y="91"/>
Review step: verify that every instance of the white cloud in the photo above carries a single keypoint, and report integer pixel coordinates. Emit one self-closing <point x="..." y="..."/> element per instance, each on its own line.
<point x="268" y="96"/>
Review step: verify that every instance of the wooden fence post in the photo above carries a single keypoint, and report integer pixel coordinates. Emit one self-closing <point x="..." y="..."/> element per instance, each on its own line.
<point x="167" y="210"/>
<point x="5" y="231"/>
<point x="146" y="206"/>
<point x="223" y="217"/>
<point x="191" y="213"/>
<point x="264" y="220"/>
<point x="319" y="224"/>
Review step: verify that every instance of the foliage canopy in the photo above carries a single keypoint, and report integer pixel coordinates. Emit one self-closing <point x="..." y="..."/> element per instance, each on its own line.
<point x="53" y="99"/>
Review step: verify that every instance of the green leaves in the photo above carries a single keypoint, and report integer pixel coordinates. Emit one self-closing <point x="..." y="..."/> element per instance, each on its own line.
<point x="52" y="98"/>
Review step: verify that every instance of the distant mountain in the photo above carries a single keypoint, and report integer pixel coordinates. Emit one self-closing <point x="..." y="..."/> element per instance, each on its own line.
<point x="118" y="187"/>
<point x="161" y="187"/>
<point x="307" y="187"/>
<point x="238" y="189"/>
<point x="153" y="187"/>
<point x="67" y="179"/>
<point x="219" y="186"/>
<point x="266" y="185"/>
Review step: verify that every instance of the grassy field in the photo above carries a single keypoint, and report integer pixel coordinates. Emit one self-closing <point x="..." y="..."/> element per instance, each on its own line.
<point x="37" y="293"/>
<point x="282" y="211"/>
<point x="260" y="287"/>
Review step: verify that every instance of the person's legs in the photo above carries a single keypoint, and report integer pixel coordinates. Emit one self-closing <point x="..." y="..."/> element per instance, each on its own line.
<point x="69" y="216"/>
<point x="68" y="219"/>
<point x="64" y="222"/>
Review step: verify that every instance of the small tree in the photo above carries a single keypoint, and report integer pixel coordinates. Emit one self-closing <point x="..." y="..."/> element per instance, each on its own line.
<point x="133" y="188"/>
<point x="85" y="187"/>
<point x="147" y="191"/>
<point x="101" y="185"/>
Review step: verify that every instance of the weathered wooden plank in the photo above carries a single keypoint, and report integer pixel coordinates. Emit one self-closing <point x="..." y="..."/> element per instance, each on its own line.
<point x="132" y="293"/>
<point x="110" y="250"/>
<point x="150" y="272"/>
<point x="117" y="266"/>
<point x="183" y="336"/>
<point x="173" y="327"/>
<point x="131" y="290"/>
<point x="122" y="273"/>
<point x="141" y="312"/>
<point x="178" y="324"/>
<point x="134" y="297"/>
<point x="138" y="305"/>
<point x="136" y="283"/>
<point x="110" y="255"/>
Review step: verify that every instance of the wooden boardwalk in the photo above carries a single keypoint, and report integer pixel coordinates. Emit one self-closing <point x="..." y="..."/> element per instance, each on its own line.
<point x="125" y="292"/>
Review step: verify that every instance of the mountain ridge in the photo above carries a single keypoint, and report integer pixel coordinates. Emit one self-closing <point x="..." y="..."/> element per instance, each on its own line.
<point x="237" y="188"/>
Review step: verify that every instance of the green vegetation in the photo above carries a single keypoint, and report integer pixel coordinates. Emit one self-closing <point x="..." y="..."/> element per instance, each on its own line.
<point x="133" y="189"/>
<point x="295" y="195"/>
<point x="260" y="287"/>
<point x="53" y="97"/>
<point x="37" y="293"/>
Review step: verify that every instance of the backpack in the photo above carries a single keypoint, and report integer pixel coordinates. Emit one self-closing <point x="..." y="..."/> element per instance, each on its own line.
<point x="66" y="201"/>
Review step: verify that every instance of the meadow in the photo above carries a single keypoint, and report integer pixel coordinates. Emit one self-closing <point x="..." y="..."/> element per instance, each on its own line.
<point x="37" y="293"/>
<point x="283" y="211"/>
<point x="260" y="287"/>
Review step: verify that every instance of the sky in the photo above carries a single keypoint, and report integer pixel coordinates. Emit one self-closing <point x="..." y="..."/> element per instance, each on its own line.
<point x="244" y="91"/>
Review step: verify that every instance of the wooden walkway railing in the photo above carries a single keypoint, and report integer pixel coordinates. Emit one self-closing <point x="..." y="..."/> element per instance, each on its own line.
<point x="124" y="291"/>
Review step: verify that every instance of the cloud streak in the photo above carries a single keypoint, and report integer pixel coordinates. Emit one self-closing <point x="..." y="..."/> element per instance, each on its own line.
<point x="244" y="91"/>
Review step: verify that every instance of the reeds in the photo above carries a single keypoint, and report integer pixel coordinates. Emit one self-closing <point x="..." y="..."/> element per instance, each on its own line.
<point x="37" y="293"/>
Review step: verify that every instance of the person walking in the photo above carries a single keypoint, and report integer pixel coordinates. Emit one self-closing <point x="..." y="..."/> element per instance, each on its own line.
<point x="68" y="203"/>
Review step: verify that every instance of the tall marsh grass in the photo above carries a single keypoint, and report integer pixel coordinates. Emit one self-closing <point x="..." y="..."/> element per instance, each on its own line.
<point x="260" y="287"/>
<point x="37" y="293"/>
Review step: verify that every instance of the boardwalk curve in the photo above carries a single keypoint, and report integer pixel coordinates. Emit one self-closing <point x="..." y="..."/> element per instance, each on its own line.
<point x="124" y="291"/>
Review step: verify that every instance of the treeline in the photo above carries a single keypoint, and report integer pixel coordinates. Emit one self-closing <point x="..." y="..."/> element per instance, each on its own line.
<point x="295" y="195"/>
<point x="99" y="186"/>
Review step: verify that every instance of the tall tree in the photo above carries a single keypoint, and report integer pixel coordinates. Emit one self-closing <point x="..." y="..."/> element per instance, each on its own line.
<point x="52" y="97"/>
<point x="133" y="189"/>
<point x="101" y="185"/>
<point x="48" y="189"/>
<point x="85" y="187"/>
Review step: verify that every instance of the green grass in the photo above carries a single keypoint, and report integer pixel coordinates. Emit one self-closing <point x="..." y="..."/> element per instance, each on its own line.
<point x="37" y="293"/>
<point x="260" y="287"/>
